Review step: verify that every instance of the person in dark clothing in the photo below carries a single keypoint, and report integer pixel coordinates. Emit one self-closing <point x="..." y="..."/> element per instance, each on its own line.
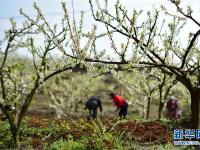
<point x="121" y="104"/>
<point x="92" y="105"/>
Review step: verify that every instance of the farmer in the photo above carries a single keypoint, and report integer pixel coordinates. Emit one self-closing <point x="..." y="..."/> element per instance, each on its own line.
<point x="92" y="105"/>
<point x="173" y="108"/>
<point x="121" y="104"/>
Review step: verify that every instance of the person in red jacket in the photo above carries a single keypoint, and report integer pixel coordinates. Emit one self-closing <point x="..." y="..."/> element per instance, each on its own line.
<point x="121" y="104"/>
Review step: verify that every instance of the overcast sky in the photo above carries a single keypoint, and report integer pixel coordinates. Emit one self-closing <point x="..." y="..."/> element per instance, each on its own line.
<point x="53" y="11"/>
<point x="52" y="8"/>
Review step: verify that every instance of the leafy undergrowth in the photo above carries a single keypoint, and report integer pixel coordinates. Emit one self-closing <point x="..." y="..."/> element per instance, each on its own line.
<point x="45" y="133"/>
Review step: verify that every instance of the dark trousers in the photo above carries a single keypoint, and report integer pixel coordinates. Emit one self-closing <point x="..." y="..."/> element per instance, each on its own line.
<point x="123" y="112"/>
<point x="93" y="112"/>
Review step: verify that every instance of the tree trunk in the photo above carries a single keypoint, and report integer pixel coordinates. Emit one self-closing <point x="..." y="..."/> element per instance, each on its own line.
<point x="148" y="108"/>
<point x="195" y="105"/>
<point x="13" y="127"/>
<point x="15" y="136"/>
<point x="160" y="101"/>
<point x="160" y="110"/>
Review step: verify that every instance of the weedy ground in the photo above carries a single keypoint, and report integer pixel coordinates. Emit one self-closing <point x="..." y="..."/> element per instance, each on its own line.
<point x="40" y="132"/>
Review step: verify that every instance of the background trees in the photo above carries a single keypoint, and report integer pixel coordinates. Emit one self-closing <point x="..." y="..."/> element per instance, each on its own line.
<point x="69" y="94"/>
<point x="160" y="44"/>
<point x="21" y="79"/>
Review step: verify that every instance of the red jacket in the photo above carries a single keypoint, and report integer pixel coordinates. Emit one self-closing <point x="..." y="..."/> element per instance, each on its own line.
<point x="119" y="101"/>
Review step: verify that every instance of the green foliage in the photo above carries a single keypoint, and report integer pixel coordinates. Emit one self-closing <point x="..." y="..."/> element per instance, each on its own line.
<point x="67" y="145"/>
<point x="103" y="138"/>
<point x="42" y="133"/>
<point x="5" y="135"/>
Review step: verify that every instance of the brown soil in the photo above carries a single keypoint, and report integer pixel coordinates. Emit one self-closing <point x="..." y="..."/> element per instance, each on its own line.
<point x="146" y="132"/>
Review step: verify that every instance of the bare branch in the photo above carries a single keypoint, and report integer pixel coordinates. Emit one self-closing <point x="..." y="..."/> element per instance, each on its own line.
<point x="183" y="13"/>
<point x="191" y="44"/>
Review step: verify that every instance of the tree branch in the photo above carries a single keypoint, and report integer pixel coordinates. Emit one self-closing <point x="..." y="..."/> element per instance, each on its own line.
<point x="189" y="48"/>
<point x="183" y="13"/>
